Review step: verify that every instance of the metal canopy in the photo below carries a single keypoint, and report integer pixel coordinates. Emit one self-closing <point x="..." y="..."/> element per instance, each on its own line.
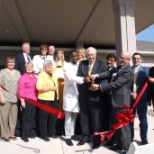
<point x="65" y="22"/>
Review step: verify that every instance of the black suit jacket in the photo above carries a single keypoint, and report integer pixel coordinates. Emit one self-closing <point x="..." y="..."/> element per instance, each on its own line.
<point x="20" y="63"/>
<point x="108" y="74"/>
<point x="99" y="66"/>
<point x="120" y="86"/>
<point x="151" y="87"/>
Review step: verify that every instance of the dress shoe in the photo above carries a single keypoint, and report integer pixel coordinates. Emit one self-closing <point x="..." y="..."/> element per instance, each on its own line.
<point x="69" y="142"/>
<point x="82" y="142"/>
<point x="7" y="139"/>
<point x="45" y="139"/>
<point x="13" y="138"/>
<point x="116" y="147"/>
<point x="75" y="138"/>
<point x="109" y="144"/>
<point x="54" y="136"/>
<point x="96" y="145"/>
<point x="32" y="136"/>
<point x="144" y="142"/>
<point x="124" y="152"/>
<point x="25" y="139"/>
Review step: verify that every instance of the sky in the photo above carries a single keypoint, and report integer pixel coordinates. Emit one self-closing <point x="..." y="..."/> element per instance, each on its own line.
<point x="146" y="35"/>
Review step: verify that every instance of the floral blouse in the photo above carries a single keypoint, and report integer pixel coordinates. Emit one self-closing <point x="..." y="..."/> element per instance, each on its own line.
<point x="9" y="81"/>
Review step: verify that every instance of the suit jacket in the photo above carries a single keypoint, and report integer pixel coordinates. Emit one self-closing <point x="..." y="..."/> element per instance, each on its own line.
<point x="150" y="91"/>
<point x="141" y="78"/>
<point x="98" y="67"/>
<point x="20" y="63"/>
<point x="108" y="74"/>
<point x="120" y="86"/>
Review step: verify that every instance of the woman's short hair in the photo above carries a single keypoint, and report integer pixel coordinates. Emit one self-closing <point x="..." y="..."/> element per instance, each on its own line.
<point x="10" y="58"/>
<point x="42" y="46"/>
<point x="46" y="62"/>
<point x="29" y="64"/>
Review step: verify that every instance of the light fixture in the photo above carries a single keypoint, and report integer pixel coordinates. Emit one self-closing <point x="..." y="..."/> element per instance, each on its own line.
<point x="7" y="31"/>
<point x="98" y="34"/>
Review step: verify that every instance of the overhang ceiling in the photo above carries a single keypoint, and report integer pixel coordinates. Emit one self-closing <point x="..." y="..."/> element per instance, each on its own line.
<point x="65" y="22"/>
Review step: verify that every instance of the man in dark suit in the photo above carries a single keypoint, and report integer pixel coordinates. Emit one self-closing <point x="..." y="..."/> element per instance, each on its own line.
<point x="120" y="87"/>
<point x="51" y="52"/>
<point x="90" y="101"/>
<point x="140" y="76"/>
<point x="22" y="58"/>
<point x="151" y="87"/>
<point x="107" y="105"/>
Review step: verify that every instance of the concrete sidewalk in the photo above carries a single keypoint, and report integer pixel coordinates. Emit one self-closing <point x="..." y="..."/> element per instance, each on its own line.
<point x="58" y="146"/>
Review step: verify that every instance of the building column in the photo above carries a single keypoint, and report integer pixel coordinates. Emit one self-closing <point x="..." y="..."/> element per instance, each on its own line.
<point x="124" y="26"/>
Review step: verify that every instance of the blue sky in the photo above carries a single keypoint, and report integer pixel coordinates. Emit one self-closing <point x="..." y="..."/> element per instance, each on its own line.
<point x="146" y="35"/>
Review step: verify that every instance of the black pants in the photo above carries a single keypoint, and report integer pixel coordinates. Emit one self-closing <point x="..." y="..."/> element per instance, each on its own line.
<point x="107" y="112"/>
<point x="122" y="135"/>
<point x="91" y="117"/>
<point x="47" y="121"/>
<point x="28" y="115"/>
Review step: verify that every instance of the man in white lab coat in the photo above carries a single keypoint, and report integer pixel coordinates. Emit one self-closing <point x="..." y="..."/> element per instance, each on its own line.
<point x="70" y="96"/>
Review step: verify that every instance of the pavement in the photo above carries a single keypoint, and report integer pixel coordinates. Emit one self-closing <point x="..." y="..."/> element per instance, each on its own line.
<point x="58" y="146"/>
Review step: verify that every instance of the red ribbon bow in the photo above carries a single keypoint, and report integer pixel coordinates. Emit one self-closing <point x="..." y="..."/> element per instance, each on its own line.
<point x="123" y="118"/>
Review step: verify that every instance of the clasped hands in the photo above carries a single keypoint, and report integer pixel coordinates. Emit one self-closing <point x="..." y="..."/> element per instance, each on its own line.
<point x="91" y="79"/>
<point x="151" y="80"/>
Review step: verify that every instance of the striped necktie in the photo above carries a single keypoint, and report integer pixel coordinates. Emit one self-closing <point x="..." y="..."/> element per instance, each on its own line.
<point x="28" y="58"/>
<point x="90" y="69"/>
<point x="135" y="80"/>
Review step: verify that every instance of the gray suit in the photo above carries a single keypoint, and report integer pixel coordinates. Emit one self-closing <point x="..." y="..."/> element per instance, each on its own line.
<point x="120" y="86"/>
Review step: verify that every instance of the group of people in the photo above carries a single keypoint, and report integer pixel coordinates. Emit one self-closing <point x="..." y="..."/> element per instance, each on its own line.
<point x="83" y="85"/>
<point x="36" y="78"/>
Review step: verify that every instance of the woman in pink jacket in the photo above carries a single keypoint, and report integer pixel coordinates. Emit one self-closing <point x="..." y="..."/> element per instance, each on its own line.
<point x="27" y="88"/>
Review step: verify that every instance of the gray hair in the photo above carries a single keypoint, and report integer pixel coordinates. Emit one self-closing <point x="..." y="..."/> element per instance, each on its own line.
<point x="91" y="49"/>
<point x="47" y="62"/>
<point x="24" y="44"/>
<point x="29" y="64"/>
<point x="51" y="46"/>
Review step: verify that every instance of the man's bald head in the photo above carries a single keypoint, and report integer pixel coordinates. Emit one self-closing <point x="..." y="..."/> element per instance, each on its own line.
<point x="125" y="58"/>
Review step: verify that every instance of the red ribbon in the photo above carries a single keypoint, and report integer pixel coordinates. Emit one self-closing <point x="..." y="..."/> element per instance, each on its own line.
<point x="123" y="118"/>
<point x="57" y="113"/>
<point x="3" y="88"/>
<point x="140" y="94"/>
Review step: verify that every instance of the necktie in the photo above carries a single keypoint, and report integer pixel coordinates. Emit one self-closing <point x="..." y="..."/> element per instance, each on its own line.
<point x="90" y="69"/>
<point x="135" y="79"/>
<point x="28" y="58"/>
<point x="119" y="69"/>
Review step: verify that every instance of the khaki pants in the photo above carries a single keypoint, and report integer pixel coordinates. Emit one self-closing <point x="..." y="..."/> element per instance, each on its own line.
<point x="8" y="119"/>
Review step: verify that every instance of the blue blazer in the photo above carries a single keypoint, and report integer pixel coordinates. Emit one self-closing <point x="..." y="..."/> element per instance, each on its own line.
<point x="20" y="63"/>
<point x="141" y="78"/>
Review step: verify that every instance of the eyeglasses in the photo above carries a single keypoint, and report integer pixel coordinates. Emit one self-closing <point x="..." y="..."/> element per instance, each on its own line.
<point x="122" y="58"/>
<point x="43" y="49"/>
<point x="137" y="58"/>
